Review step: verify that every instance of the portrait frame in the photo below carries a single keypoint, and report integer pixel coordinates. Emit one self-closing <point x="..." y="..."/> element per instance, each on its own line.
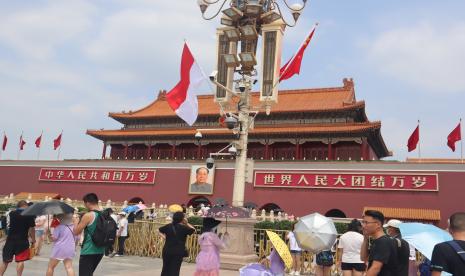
<point x="193" y="186"/>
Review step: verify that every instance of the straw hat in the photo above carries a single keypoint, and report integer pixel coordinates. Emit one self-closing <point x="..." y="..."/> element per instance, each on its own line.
<point x="173" y="208"/>
<point x="281" y="247"/>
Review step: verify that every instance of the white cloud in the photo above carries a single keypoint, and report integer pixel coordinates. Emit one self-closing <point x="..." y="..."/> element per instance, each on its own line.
<point x="430" y="57"/>
<point x="36" y="31"/>
<point x="146" y="43"/>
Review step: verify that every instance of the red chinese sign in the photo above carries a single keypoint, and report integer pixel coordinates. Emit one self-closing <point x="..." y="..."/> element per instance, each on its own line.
<point x="348" y="180"/>
<point x="129" y="176"/>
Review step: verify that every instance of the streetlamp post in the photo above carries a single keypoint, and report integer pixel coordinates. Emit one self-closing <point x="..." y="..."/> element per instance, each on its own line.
<point x="241" y="159"/>
<point x="243" y="22"/>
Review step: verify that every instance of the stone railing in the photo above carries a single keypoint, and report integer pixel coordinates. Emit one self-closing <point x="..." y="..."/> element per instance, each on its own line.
<point x="272" y="216"/>
<point x="161" y="210"/>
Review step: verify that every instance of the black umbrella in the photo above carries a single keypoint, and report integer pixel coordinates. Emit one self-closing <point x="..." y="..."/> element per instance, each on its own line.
<point x="221" y="202"/>
<point x="227" y="212"/>
<point x="250" y="205"/>
<point x="53" y="207"/>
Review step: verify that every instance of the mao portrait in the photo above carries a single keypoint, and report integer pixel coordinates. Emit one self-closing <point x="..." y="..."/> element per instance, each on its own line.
<point x="201" y="180"/>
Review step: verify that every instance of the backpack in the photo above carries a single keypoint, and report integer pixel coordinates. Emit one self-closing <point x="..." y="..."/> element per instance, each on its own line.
<point x="105" y="230"/>
<point x="325" y="258"/>
<point x="457" y="248"/>
<point x="425" y="268"/>
<point x="403" y="252"/>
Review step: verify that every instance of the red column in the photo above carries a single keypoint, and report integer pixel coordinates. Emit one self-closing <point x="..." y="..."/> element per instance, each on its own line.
<point x="267" y="154"/>
<point x="199" y="150"/>
<point x="126" y="151"/>
<point x="330" y="151"/>
<point x="173" y="151"/>
<point x="104" y="152"/>
<point x="149" y="151"/>
<point x="297" y="149"/>
<point x="364" y="151"/>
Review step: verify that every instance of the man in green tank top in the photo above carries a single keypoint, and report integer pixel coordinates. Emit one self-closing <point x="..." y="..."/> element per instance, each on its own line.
<point x="91" y="255"/>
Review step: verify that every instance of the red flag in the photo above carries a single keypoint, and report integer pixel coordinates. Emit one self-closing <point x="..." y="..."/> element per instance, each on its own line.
<point x="292" y="67"/>
<point x="183" y="97"/>
<point x="453" y="137"/>
<point x="57" y="142"/>
<point x="413" y="140"/>
<point x="38" y="141"/>
<point x="5" y="141"/>
<point x="21" y="142"/>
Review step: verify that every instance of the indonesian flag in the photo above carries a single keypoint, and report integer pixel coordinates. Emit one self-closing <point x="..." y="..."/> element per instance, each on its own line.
<point x="5" y="141"/>
<point x="38" y="141"/>
<point x="413" y="140"/>
<point x="183" y="98"/>
<point x="453" y="137"/>
<point x="292" y="67"/>
<point x="57" y="142"/>
<point x="21" y="142"/>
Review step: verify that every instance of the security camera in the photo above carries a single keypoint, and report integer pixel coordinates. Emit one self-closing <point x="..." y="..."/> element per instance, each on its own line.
<point x="241" y="86"/>
<point x="213" y="75"/>
<point x="210" y="162"/>
<point x="232" y="150"/>
<point x="230" y="122"/>
<point x="198" y="135"/>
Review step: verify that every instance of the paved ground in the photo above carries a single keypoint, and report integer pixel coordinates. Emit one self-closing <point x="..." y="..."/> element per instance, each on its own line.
<point x="116" y="266"/>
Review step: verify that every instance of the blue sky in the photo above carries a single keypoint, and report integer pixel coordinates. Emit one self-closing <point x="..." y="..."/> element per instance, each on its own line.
<point x="66" y="64"/>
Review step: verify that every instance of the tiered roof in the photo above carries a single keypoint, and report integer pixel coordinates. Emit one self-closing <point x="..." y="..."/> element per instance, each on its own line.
<point x="297" y="100"/>
<point x="319" y="100"/>
<point x="259" y="129"/>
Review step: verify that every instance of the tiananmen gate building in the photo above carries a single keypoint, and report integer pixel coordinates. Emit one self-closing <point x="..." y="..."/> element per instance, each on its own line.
<point x="316" y="152"/>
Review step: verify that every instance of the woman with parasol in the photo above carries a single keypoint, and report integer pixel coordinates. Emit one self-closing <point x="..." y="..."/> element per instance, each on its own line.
<point x="64" y="246"/>
<point x="208" y="259"/>
<point x="279" y="259"/>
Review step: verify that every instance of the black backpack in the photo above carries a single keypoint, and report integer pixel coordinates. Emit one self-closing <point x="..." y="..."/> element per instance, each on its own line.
<point x="105" y="230"/>
<point x="403" y="252"/>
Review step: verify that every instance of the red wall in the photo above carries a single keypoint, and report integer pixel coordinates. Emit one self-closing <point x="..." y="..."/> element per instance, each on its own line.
<point x="171" y="186"/>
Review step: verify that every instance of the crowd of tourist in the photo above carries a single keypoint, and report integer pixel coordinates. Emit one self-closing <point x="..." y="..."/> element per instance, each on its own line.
<point x="369" y="247"/>
<point x="26" y="234"/>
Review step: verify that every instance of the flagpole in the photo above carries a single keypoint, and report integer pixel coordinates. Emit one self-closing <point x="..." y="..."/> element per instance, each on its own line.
<point x="419" y="142"/>
<point x="59" y="148"/>
<point x="1" y="150"/>
<point x="20" y="142"/>
<point x="461" y="141"/>
<point x="40" y="144"/>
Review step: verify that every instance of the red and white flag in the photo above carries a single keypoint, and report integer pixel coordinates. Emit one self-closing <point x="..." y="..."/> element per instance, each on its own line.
<point x="453" y="137"/>
<point x="292" y="67"/>
<point x="57" y="142"/>
<point x="21" y="142"/>
<point x="183" y="97"/>
<point x="5" y="141"/>
<point x="414" y="139"/>
<point x="38" y="141"/>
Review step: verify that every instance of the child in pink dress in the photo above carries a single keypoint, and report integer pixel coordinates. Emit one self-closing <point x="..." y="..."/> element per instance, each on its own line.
<point x="64" y="246"/>
<point x="208" y="259"/>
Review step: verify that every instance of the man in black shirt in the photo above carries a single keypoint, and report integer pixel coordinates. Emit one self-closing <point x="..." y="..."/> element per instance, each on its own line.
<point x="174" y="250"/>
<point x="382" y="254"/>
<point x="445" y="257"/>
<point x="17" y="242"/>
<point x="403" y="248"/>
